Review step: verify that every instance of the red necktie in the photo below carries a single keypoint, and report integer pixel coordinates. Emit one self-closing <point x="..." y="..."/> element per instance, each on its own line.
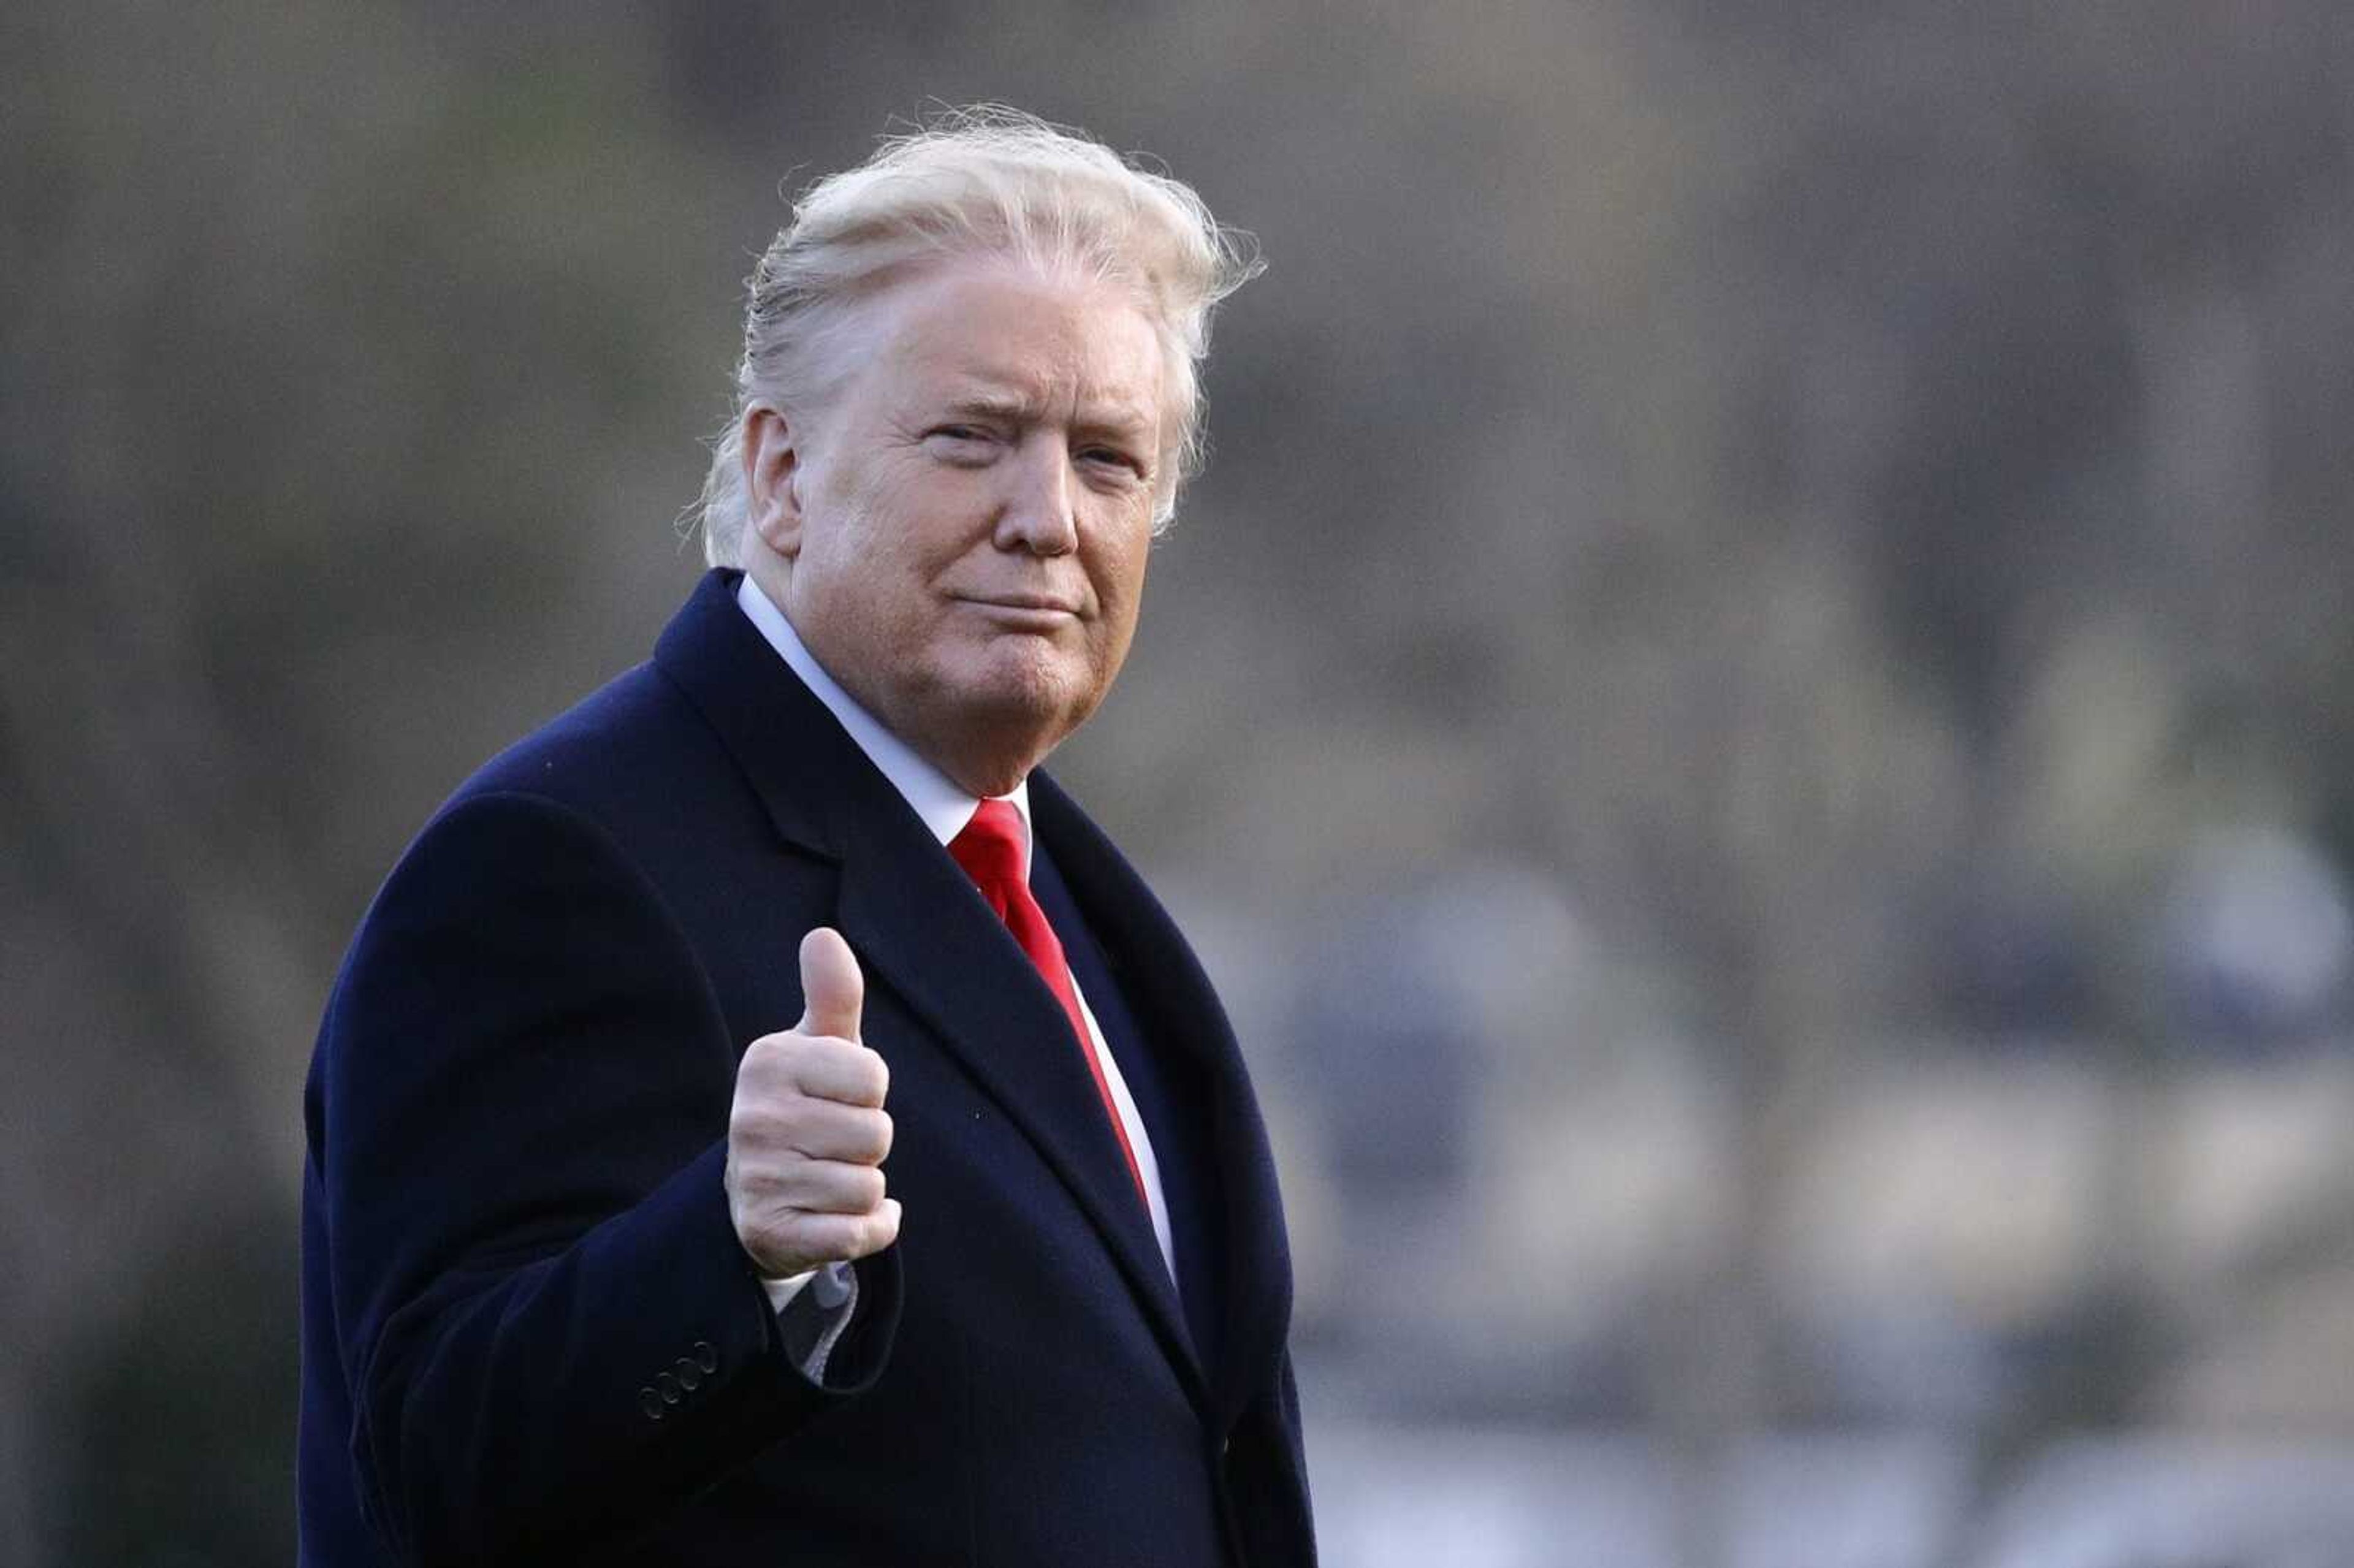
<point x="990" y="849"/>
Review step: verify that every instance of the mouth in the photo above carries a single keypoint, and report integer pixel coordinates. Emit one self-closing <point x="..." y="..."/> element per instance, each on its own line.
<point x="1023" y="611"/>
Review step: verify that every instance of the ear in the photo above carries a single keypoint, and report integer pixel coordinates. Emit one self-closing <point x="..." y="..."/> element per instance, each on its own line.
<point x="772" y="478"/>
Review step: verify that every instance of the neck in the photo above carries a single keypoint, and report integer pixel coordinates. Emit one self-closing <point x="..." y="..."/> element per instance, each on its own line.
<point x="979" y="771"/>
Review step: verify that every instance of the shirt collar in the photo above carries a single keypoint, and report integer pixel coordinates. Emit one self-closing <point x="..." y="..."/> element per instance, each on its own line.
<point x="938" y="799"/>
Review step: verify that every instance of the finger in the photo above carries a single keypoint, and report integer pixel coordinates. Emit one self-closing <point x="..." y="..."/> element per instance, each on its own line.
<point x="777" y="1067"/>
<point x="827" y="1237"/>
<point x="831" y="1187"/>
<point x="829" y="1130"/>
<point x="839" y="1071"/>
<point x="833" y="990"/>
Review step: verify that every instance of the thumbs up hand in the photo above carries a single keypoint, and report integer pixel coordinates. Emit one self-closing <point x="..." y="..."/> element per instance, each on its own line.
<point x="807" y="1134"/>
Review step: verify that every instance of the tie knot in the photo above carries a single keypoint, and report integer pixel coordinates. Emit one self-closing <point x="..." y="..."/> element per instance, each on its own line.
<point x="990" y="847"/>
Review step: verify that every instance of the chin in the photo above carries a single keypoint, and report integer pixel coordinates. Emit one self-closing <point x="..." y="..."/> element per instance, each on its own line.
<point x="1031" y="709"/>
<point x="1039" y="681"/>
<point x="1039" y="707"/>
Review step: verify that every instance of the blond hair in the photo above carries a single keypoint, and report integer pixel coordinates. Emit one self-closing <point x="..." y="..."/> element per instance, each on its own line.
<point x="986" y="181"/>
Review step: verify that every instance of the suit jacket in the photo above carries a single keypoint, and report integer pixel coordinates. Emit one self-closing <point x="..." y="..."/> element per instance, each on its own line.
<point x="529" y="1332"/>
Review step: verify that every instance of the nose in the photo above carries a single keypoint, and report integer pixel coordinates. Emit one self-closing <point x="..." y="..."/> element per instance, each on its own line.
<point x="1036" y="515"/>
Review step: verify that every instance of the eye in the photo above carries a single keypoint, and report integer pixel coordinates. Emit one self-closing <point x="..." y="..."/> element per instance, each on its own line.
<point x="1114" y="459"/>
<point x="962" y="443"/>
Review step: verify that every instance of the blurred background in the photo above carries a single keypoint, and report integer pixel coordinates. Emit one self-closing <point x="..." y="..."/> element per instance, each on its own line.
<point x="1756" y="712"/>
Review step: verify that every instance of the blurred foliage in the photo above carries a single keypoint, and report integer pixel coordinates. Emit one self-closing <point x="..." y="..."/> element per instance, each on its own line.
<point x="1839" y="498"/>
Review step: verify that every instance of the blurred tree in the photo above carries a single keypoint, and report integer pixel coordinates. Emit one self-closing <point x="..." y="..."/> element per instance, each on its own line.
<point x="1852" y="488"/>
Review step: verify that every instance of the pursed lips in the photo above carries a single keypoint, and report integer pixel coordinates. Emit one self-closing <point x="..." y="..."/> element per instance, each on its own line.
<point x="1033" y="610"/>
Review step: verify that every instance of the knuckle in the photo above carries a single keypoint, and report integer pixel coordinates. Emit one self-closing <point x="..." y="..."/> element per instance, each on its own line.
<point x="831" y="1237"/>
<point x="763" y="1053"/>
<point x="756" y="1186"/>
<point x="864" y="1079"/>
<point x="765" y="1080"/>
<point x="758" y="1124"/>
<point x="743" y="1128"/>
<point x="846" y="1190"/>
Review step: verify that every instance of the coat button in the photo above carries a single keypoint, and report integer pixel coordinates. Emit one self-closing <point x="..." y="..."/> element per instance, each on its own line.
<point x="669" y="1387"/>
<point x="690" y="1376"/>
<point x="650" y="1402"/>
<point x="707" y="1356"/>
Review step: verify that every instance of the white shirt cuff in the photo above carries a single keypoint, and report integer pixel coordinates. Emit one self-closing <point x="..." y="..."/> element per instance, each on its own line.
<point x="782" y="1291"/>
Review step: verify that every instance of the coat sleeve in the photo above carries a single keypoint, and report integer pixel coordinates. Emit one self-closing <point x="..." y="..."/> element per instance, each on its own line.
<point x="547" y="1328"/>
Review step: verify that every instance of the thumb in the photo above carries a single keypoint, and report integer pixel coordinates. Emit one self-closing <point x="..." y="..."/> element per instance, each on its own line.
<point x="833" y="990"/>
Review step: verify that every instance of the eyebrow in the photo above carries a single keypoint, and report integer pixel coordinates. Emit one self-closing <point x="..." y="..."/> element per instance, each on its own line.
<point x="993" y="406"/>
<point x="1119" y="418"/>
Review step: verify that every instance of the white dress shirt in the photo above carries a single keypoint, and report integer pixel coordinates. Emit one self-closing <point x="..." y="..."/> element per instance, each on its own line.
<point x="945" y="808"/>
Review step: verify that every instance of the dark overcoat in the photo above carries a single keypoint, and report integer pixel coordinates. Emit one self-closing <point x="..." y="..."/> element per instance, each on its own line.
<point x="528" y="1332"/>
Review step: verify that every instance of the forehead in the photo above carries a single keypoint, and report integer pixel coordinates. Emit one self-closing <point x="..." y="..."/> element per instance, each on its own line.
<point x="1000" y="333"/>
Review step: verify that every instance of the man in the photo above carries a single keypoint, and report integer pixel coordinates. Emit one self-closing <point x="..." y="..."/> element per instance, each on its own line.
<point x="761" y="1119"/>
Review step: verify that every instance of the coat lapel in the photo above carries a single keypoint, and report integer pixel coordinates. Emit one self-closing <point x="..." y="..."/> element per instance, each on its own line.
<point x="941" y="946"/>
<point x="920" y="926"/>
<point x="1179" y="1010"/>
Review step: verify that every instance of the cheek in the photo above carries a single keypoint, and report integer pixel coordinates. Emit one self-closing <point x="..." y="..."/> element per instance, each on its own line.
<point x="919" y="522"/>
<point x="865" y="537"/>
<point x="1119" y="572"/>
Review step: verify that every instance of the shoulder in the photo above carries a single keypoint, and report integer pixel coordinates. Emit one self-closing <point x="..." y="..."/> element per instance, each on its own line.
<point x="568" y="818"/>
<point x="540" y="877"/>
<point x="636" y="763"/>
<point x="618" y="749"/>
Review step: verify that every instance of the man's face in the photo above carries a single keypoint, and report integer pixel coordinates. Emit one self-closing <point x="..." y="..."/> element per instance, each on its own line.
<point x="963" y="534"/>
